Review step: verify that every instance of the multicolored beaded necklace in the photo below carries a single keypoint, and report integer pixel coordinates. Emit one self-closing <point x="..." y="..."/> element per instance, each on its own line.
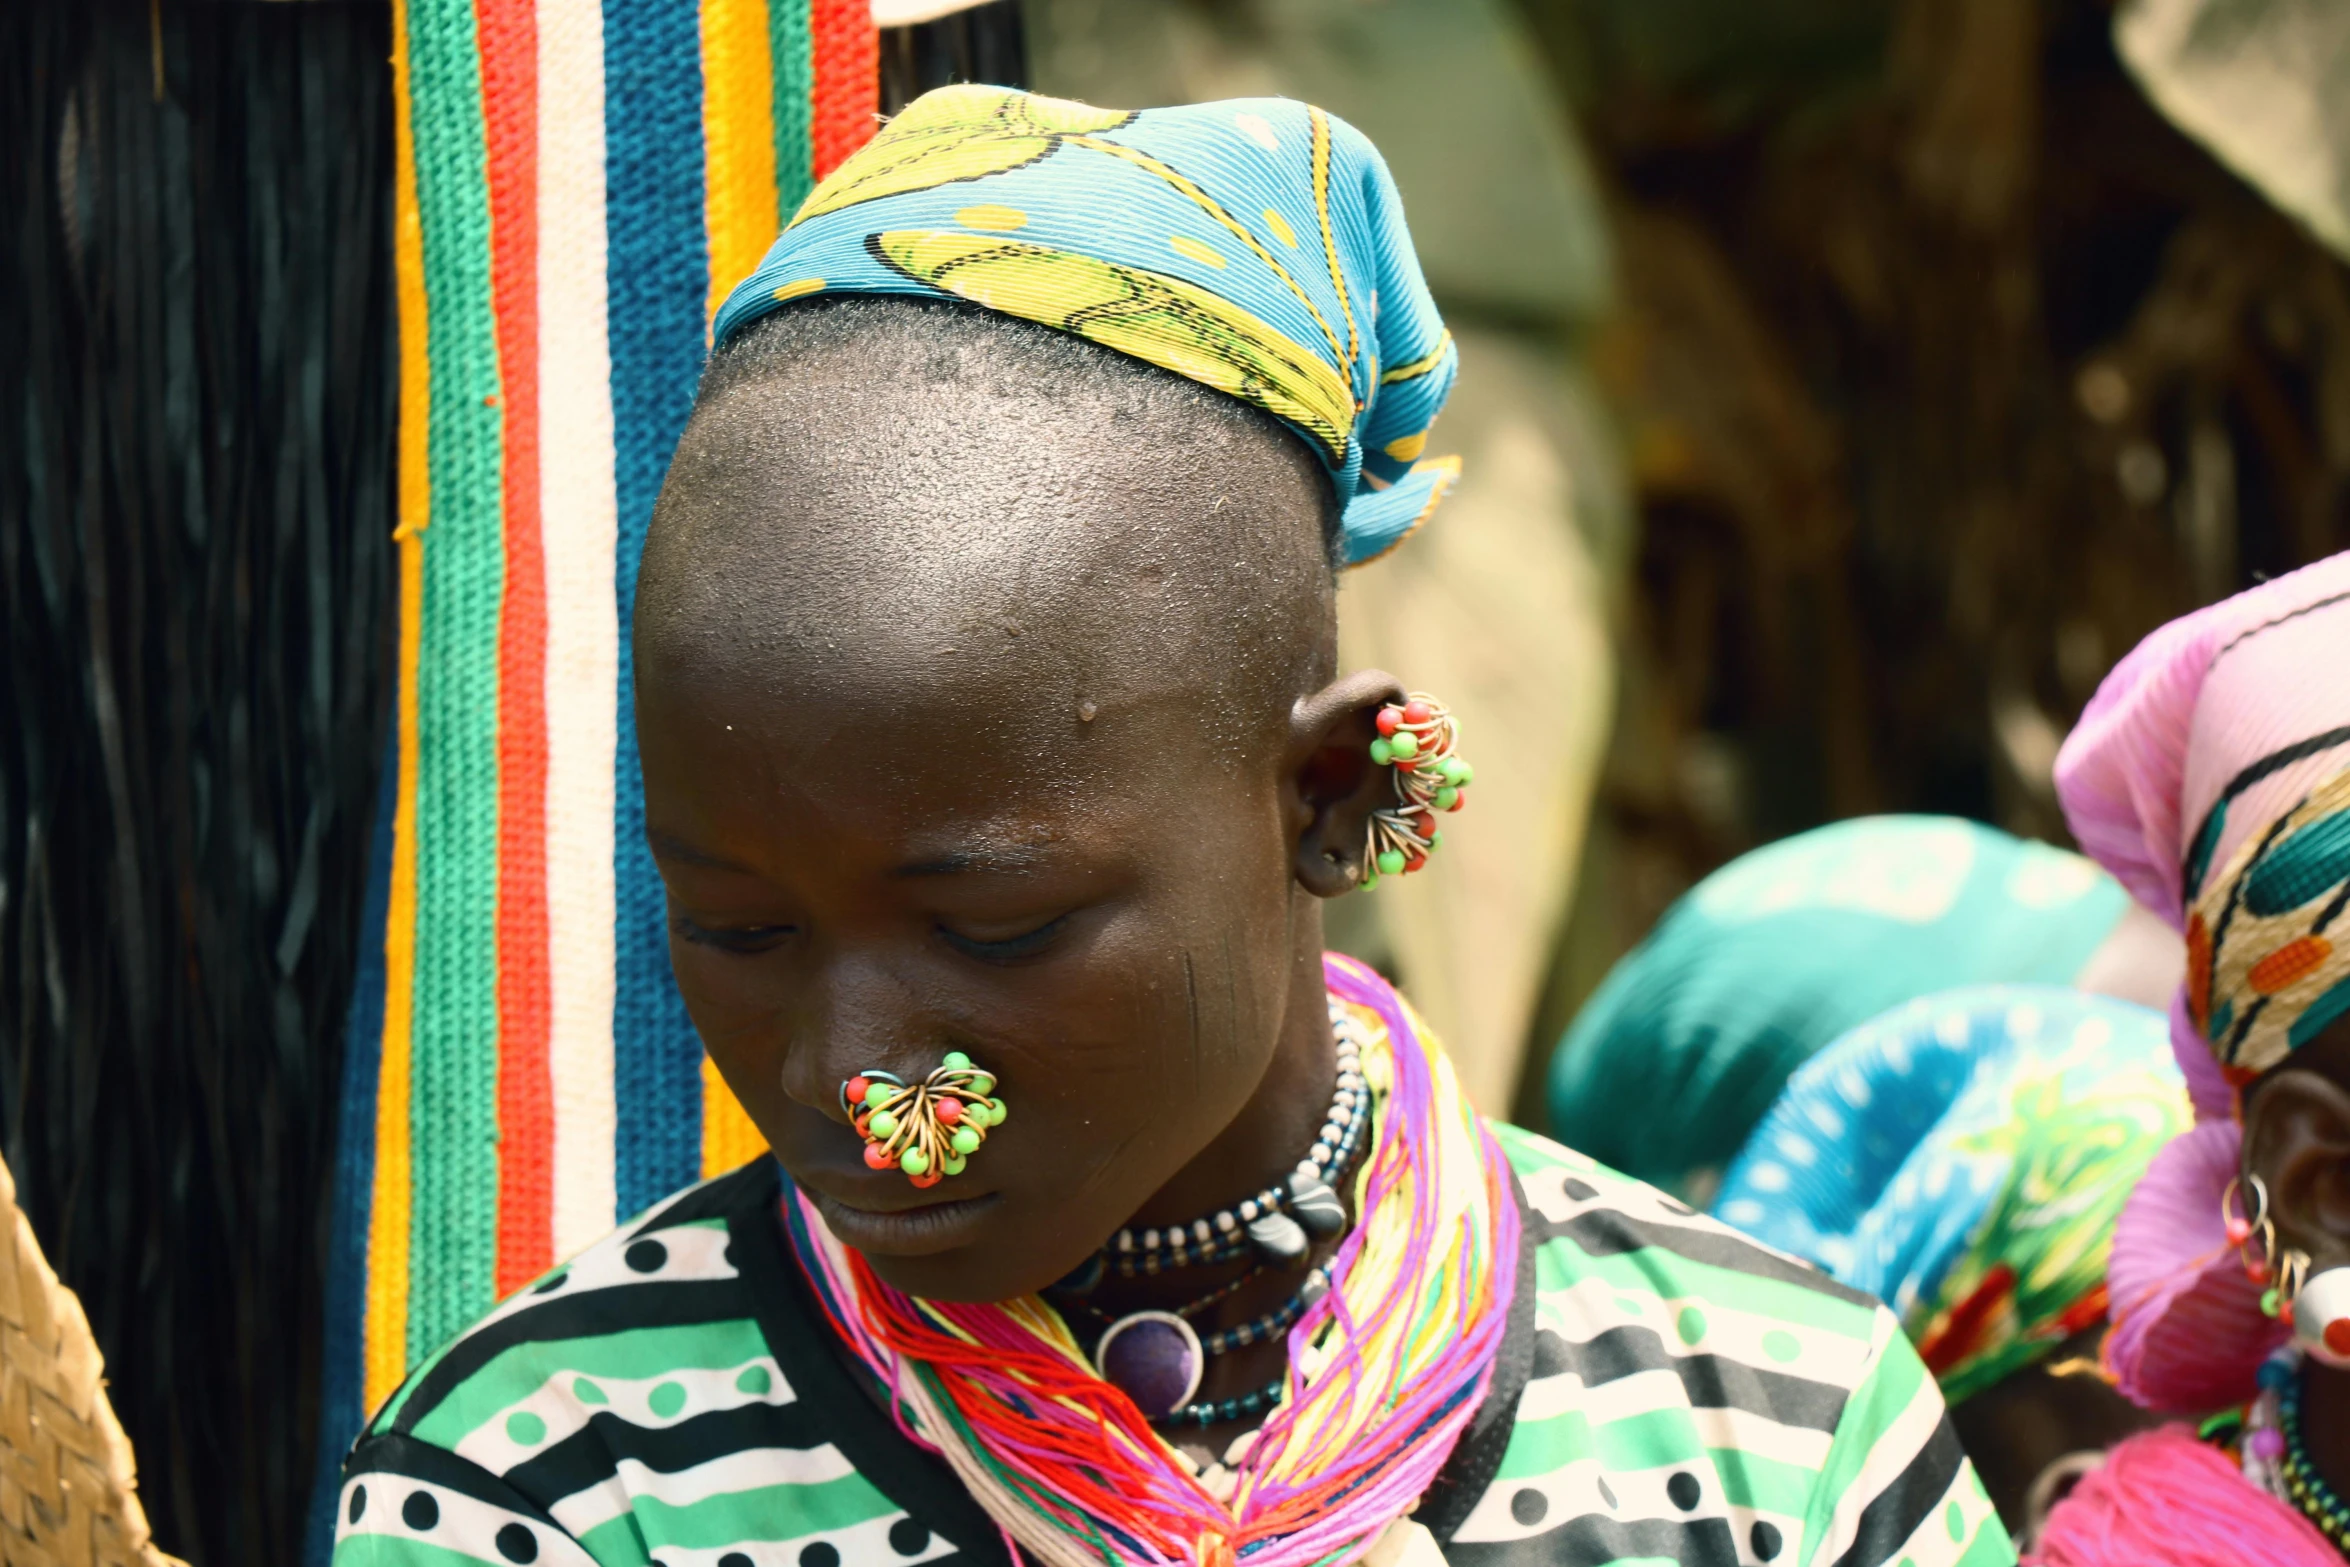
<point x="1384" y="1370"/>
<point x="2276" y="1458"/>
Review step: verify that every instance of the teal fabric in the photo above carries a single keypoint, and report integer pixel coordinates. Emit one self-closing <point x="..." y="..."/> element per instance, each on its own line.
<point x="1255" y="245"/>
<point x="1689" y="1040"/>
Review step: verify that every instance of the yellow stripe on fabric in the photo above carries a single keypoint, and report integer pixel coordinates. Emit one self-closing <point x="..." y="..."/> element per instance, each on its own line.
<point x="738" y="135"/>
<point x="1421" y="366"/>
<point x="384" y="1332"/>
<point x="1321" y="121"/>
<point x="729" y="1140"/>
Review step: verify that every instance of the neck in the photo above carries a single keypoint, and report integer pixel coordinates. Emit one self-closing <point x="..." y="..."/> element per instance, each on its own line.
<point x="1274" y="1130"/>
<point x="2325" y="1423"/>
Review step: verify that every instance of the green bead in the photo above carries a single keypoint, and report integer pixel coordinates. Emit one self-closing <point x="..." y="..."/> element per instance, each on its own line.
<point x="953" y="1164"/>
<point x="965" y="1140"/>
<point x="883" y="1124"/>
<point x="1404" y="744"/>
<point x="975" y="1112"/>
<point x="1434" y="838"/>
<point x="1458" y="773"/>
<point x="995" y="1114"/>
<point x="914" y="1162"/>
<point x="1382" y="752"/>
<point x="877" y="1092"/>
<point x="1391" y="862"/>
<point x="2268" y="1303"/>
<point x="1447" y="797"/>
<point x="983" y="1083"/>
<point x="954" y="1058"/>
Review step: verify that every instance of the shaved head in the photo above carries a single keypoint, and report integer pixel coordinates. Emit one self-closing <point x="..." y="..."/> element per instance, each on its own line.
<point x="880" y="489"/>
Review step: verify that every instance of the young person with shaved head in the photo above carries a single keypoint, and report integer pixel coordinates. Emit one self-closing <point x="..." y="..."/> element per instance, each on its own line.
<point x="998" y="765"/>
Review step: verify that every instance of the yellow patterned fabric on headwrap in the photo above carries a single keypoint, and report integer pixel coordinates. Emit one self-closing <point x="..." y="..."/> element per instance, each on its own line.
<point x="1256" y="246"/>
<point x="2263" y="974"/>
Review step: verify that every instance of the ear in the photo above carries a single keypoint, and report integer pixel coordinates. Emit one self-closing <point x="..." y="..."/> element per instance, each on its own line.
<point x="1332" y="784"/>
<point x="2297" y="1140"/>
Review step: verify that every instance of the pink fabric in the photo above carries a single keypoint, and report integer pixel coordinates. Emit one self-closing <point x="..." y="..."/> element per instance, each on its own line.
<point x="2175" y="722"/>
<point x="2189" y="1334"/>
<point x="2165" y="1499"/>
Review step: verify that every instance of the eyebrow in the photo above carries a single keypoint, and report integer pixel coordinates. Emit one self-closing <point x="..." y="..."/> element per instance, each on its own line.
<point x="672" y="848"/>
<point x="954" y="862"/>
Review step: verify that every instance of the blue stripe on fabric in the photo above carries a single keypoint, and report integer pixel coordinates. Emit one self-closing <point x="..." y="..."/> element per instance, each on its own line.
<point x="658" y="264"/>
<point x="341" y="1413"/>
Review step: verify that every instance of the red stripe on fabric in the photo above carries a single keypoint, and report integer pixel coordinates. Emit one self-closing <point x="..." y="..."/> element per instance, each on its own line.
<point x="847" y="58"/>
<point x="526" y="1108"/>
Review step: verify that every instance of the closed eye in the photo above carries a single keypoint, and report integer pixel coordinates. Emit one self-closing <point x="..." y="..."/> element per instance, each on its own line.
<point x="1010" y="948"/>
<point x="741" y="940"/>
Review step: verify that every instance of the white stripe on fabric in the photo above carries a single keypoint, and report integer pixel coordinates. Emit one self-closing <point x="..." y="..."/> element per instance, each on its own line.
<point x="579" y="515"/>
<point x="751" y="1469"/>
<point x="1695" y="1325"/>
<point x="1894" y="1450"/>
<point x="1647" y="1392"/>
<point x="876" y="1540"/>
<point x="1589" y="1488"/>
<point x="450" y="1520"/>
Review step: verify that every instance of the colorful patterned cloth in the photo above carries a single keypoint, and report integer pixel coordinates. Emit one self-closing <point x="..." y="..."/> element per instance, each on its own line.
<point x="2211" y="773"/>
<point x="1256" y="246"/>
<point x="671" y="1398"/>
<point x="1782" y="950"/>
<point x="1964" y="1158"/>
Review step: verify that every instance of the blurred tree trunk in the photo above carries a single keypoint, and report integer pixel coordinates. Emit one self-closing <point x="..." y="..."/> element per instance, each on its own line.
<point x="1948" y="369"/>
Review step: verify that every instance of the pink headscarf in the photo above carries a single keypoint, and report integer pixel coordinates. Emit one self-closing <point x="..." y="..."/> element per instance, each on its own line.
<point x="2212" y="729"/>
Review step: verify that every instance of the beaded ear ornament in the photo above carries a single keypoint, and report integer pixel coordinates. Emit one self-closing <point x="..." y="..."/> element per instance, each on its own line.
<point x="1417" y="738"/>
<point x="928" y="1129"/>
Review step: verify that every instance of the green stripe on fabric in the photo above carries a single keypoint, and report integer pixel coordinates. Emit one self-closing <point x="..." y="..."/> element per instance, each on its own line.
<point x="390" y="1550"/>
<point x="768" y="1512"/>
<point x="1989" y="1548"/>
<point x="1651" y="1271"/>
<point x="1767" y="1484"/>
<point x="452" y="1268"/>
<point x="631" y="1356"/>
<point x="1538" y="1447"/>
<point x="795" y="95"/>
<point x="1896" y="1381"/>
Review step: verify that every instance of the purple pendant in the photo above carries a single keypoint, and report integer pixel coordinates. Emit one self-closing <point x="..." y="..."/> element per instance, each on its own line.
<point x="1154" y="1358"/>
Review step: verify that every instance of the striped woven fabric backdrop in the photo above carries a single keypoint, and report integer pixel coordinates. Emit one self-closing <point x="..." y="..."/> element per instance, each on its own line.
<point x="578" y="186"/>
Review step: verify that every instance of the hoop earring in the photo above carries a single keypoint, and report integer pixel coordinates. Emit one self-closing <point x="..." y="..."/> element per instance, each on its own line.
<point x="2243" y="1229"/>
<point x="1417" y="737"/>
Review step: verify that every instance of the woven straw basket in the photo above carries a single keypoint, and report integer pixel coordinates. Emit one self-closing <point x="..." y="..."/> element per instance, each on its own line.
<point x="67" y="1491"/>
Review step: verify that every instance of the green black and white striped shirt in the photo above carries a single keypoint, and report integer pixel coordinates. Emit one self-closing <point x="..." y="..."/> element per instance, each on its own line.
<point x="1672" y="1392"/>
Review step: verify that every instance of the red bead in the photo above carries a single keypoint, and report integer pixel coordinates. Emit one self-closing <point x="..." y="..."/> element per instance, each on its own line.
<point x="1414" y="863"/>
<point x="1416" y="712"/>
<point x="856" y="1090"/>
<point x="1458" y="801"/>
<point x="1407" y="764"/>
<point x="2239" y="1231"/>
<point x="949" y="1111"/>
<point x="926" y="1181"/>
<point x="877" y="1157"/>
<point x="1389" y="718"/>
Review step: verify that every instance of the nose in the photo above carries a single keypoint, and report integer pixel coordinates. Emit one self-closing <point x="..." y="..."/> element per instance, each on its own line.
<point x="858" y="1015"/>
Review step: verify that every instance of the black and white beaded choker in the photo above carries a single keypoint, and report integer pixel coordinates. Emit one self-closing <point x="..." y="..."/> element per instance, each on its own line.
<point x="1279" y="1224"/>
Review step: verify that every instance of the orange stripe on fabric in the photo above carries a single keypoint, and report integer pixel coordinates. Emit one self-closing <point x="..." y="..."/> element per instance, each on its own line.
<point x="526" y="1091"/>
<point x="728" y="1137"/>
<point x="384" y="1329"/>
<point x="738" y="141"/>
<point x="847" y="53"/>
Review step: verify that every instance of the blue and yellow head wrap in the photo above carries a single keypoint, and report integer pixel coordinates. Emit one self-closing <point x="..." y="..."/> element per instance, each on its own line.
<point x="1965" y="1159"/>
<point x="1255" y="245"/>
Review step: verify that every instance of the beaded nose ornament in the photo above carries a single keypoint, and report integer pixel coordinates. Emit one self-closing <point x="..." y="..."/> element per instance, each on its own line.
<point x="1417" y="738"/>
<point x="927" y="1129"/>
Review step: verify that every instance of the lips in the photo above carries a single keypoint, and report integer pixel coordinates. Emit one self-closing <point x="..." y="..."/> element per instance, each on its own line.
<point x="881" y="1221"/>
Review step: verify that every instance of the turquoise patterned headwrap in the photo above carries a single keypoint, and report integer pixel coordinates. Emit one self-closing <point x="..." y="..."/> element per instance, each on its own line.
<point x="1255" y="245"/>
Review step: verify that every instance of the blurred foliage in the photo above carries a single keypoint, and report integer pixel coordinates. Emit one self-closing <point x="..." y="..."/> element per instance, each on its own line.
<point x="196" y="417"/>
<point x="1948" y="368"/>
